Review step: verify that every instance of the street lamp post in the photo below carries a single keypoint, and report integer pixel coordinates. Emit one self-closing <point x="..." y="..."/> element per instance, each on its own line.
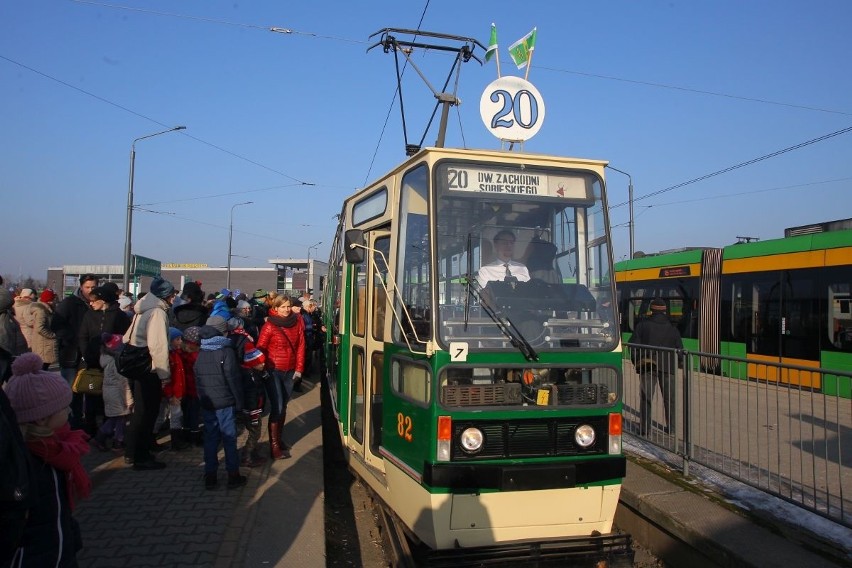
<point x="129" y="224"/>
<point x="310" y="282"/>
<point x="230" y="240"/>
<point x="630" y="203"/>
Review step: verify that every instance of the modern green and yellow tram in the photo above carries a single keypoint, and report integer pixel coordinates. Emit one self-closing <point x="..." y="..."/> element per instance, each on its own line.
<point x="786" y="301"/>
<point x="482" y="413"/>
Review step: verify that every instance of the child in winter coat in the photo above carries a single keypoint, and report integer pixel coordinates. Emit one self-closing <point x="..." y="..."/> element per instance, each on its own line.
<point x="118" y="398"/>
<point x="40" y="401"/>
<point x="220" y="389"/>
<point x="173" y="391"/>
<point x="252" y="363"/>
<point x="190" y="404"/>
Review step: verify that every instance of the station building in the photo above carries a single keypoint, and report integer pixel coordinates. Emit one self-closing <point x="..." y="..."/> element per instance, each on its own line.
<point x="290" y="276"/>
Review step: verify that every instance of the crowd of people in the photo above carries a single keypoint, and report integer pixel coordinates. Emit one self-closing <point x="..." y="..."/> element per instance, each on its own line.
<point x="211" y="364"/>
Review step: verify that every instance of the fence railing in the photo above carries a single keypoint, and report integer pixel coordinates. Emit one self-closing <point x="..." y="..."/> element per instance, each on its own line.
<point x="762" y="423"/>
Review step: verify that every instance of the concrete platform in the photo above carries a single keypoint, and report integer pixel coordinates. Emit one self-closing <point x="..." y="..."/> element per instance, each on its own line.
<point x="167" y="517"/>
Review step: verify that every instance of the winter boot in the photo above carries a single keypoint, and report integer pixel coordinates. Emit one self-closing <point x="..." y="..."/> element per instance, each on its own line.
<point x="178" y="443"/>
<point x="285" y="448"/>
<point x="252" y="459"/>
<point x="99" y="441"/>
<point x="156" y="446"/>
<point x="274" y="441"/>
<point x="235" y="479"/>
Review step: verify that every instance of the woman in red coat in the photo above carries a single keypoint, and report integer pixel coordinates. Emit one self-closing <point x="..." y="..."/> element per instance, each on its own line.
<point x="282" y="341"/>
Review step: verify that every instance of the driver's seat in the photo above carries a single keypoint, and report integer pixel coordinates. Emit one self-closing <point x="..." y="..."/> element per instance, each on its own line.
<point x="540" y="259"/>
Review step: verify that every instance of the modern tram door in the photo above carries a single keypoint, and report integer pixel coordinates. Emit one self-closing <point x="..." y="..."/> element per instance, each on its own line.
<point x="368" y="301"/>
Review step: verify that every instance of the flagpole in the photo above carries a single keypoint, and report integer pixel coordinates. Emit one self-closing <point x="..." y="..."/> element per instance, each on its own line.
<point x="532" y="51"/>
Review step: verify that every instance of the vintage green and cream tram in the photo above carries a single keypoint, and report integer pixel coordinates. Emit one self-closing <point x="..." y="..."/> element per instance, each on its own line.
<point x="483" y="413"/>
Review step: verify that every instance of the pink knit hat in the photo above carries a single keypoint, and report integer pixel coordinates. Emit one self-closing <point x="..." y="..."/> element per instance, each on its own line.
<point x="33" y="393"/>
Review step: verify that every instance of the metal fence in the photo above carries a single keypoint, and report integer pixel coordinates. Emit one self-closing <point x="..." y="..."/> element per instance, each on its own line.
<point x="761" y="423"/>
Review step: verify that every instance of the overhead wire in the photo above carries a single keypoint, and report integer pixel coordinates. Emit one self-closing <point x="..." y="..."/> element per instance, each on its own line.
<point x="390" y="107"/>
<point x="739" y="165"/>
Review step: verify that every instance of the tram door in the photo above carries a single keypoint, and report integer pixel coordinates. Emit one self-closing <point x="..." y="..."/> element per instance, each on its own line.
<point x="369" y="303"/>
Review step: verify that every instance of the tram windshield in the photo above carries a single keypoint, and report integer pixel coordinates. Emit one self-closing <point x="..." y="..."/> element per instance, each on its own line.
<point x="523" y="259"/>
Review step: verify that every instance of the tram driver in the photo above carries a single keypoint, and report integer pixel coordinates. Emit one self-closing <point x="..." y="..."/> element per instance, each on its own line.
<point x="503" y="267"/>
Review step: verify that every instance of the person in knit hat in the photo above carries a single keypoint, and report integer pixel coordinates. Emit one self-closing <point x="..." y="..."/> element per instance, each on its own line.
<point x="192" y="311"/>
<point x="191" y="430"/>
<point x="150" y="328"/>
<point x="118" y="400"/>
<point x="217" y="376"/>
<point x="219" y="322"/>
<point x="44" y="341"/>
<point x="40" y="401"/>
<point x="173" y="392"/>
<point x="252" y="362"/>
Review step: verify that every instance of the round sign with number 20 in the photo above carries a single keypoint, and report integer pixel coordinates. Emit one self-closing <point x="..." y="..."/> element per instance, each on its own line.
<point x="512" y="109"/>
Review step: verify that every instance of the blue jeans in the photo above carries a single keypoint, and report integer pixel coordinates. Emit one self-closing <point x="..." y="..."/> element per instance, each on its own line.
<point x="220" y="426"/>
<point x="280" y="390"/>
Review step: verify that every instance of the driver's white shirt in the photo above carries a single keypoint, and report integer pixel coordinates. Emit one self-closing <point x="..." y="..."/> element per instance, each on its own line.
<point x="497" y="271"/>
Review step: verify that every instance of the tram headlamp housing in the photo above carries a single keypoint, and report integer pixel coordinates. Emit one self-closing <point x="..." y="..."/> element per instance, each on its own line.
<point x="584" y="435"/>
<point x="471" y="440"/>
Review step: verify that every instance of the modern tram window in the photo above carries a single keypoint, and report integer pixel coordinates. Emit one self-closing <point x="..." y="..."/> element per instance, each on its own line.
<point x="414" y="261"/>
<point x="681" y="297"/>
<point x="839" y="309"/>
<point x="775" y="313"/>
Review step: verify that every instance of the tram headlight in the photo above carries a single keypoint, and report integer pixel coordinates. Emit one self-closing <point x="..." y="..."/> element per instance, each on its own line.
<point x="471" y="440"/>
<point x="584" y="435"/>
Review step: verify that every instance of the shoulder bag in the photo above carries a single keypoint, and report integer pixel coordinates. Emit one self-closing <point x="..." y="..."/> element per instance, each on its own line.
<point x="88" y="381"/>
<point x="134" y="362"/>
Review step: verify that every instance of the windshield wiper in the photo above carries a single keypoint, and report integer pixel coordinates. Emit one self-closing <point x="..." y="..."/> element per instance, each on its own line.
<point x="509" y="329"/>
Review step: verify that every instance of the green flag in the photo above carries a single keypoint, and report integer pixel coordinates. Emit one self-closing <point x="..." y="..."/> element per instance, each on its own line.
<point x="521" y="49"/>
<point x="492" y="44"/>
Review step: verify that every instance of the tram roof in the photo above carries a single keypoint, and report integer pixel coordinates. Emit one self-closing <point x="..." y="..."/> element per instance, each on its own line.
<point x="427" y="153"/>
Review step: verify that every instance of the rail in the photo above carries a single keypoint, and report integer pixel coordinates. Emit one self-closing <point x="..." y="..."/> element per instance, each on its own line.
<point x="758" y="422"/>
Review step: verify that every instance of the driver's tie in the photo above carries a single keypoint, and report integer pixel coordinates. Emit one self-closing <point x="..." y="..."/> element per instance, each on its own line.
<point x="508" y="272"/>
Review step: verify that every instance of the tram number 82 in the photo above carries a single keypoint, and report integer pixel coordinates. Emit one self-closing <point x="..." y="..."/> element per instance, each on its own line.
<point x="403" y="427"/>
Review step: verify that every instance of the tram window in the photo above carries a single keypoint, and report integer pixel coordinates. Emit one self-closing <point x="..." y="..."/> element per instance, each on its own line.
<point x="414" y="260"/>
<point x="380" y="281"/>
<point x="370" y="207"/>
<point x="357" y="394"/>
<point x="411" y="380"/>
<point x="359" y="304"/>
<point x="839" y="301"/>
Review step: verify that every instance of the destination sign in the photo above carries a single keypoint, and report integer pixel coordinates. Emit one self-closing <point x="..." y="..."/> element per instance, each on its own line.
<point x="673" y="271"/>
<point x="173" y="265"/>
<point x="514" y="182"/>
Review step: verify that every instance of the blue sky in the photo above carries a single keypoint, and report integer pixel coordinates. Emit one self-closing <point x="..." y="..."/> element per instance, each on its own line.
<point x="667" y="91"/>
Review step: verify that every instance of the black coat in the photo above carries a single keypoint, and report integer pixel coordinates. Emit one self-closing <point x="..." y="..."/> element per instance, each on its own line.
<point x="656" y="331"/>
<point x="66" y="324"/>
<point x="96" y="322"/>
<point x="51" y="536"/>
<point x="217" y="375"/>
<point x="188" y="315"/>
